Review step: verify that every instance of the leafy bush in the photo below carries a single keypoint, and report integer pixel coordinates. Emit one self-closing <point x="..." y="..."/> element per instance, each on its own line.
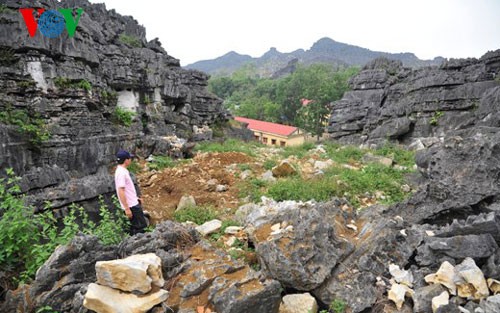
<point x="196" y="214"/>
<point x="123" y="116"/>
<point x="7" y="54"/>
<point x="230" y="145"/>
<point x="130" y="40"/>
<point x="34" y="127"/>
<point x="435" y="118"/>
<point x="27" y="240"/>
<point x="109" y="97"/>
<point x="66" y="83"/>
<point x="17" y="230"/>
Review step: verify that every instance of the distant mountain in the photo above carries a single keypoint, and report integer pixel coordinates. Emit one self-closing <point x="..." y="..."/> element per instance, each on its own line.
<point x="274" y="63"/>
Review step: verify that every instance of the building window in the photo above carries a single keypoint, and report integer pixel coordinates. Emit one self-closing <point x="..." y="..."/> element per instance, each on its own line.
<point x="273" y="141"/>
<point x="257" y="137"/>
<point x="264" y="140"/>
<point x="282" y="143"/>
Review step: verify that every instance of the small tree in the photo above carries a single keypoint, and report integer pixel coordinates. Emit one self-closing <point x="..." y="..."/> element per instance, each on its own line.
<point x="313" y="118"/>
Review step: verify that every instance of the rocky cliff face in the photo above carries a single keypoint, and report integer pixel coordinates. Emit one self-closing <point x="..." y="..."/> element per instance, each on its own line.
<point x="71" y="87"/>
<point x="388" y="101"/>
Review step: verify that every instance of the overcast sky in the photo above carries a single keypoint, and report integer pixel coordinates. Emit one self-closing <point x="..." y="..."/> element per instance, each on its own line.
<point x="194" y="30"/>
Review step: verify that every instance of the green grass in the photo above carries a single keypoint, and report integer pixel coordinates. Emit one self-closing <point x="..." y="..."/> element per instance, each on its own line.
<point x="196" y="214"/>
<point x="269" y="164"/>
<point x="400" y="156"/>
<point x="230" y="145"/>
<point x="344" y="154"/>
<point x="298" y="151"/>
<point x="160" y="162"/>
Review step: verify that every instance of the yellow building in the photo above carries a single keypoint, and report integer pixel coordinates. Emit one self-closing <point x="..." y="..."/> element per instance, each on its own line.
<point x="274" y="134"/>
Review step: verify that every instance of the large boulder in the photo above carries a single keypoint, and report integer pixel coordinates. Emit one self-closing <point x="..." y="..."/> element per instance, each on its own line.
<point x="298" y="243"/>
<point x="136" y="273"/>
<point x="103" y="299"/>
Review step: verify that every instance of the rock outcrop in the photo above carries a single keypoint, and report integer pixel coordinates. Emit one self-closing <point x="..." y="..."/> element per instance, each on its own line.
<point x="71" y="88"/>
<point x="389" y="101"/>
<point x="195" y="273"/>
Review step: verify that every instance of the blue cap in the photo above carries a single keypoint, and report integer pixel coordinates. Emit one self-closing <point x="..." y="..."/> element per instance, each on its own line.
<point x="123" y="155"/>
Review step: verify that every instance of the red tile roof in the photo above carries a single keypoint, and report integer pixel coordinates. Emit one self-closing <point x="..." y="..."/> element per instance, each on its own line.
<point x="267" y="127"/>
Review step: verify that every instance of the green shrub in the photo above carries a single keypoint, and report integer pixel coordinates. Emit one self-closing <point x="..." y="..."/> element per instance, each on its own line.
<point x="123" y="116"/>
<point x="338" y="306"/>
<point x="7" y="55"/>
<point x="196" y="214"/>
<point x="435" y="118"/>
<point x="160" y="162"/>
<point x="230" y="145"/>
<point x="109" y="97"/>
<point x="17" y="230"/>
<point x="34" y="127"/>
<point x="27" y="240"/>
<point x="66" y="83"/>
<point x="85" y="84"/>
<point x="130" y="40"/>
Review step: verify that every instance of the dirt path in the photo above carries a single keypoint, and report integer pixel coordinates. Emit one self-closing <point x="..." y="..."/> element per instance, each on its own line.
<point x="162" y="190"/>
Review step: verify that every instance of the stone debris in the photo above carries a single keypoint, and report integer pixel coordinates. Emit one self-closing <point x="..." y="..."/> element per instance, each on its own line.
<point x="298" y="303"/>
<point x="446" y="276"/>
<point x="494" y="285"/>
<point x="233" y="230"/>
<point x="475" y="286"/>
<point x="401" y="276"/>
<point x="186" y="202"/>
<point x="129" y="285"/>
<point x="137" y="273"/>
<point x="209" y="227"/>
<point x="103" y="299"/>
<point x="397" y="294"/>
<point x="441" y="300"/>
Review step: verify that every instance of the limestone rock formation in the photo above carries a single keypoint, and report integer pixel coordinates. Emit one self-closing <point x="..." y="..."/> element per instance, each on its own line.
<point x="73" y="88"/>
<point x="389" y="101"/>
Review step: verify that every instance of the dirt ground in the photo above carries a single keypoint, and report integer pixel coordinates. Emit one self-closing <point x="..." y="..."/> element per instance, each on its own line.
<point x="162" y="190"/>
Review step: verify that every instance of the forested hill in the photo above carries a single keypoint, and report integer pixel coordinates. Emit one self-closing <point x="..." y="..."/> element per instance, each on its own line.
<point x="274" y="63"/>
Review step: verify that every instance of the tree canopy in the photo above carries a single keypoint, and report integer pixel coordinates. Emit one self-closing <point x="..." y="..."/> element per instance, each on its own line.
<point x="281" y="100"/>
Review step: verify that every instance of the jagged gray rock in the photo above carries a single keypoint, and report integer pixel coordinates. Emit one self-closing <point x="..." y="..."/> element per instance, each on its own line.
<point x="389" y="101"/>
<point x="303" y="252"/>
<point x="436" y="250"/>
<point x="75" y="84"/>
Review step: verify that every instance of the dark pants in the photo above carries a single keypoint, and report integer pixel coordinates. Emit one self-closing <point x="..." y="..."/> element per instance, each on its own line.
<point x="138" y="222"/>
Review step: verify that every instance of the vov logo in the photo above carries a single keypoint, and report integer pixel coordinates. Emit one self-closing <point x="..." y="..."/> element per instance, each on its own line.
<point x="51" y="22"/>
